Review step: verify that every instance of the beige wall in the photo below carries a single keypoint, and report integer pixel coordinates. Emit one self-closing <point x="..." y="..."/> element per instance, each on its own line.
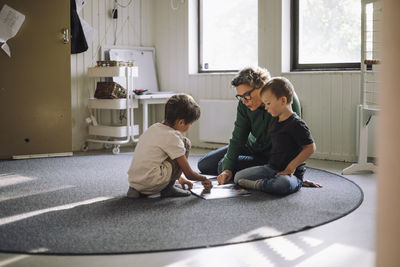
<point x="388" y="214"/>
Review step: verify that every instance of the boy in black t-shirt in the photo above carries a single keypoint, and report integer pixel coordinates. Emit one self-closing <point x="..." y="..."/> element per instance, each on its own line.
<point x="292" y="144"/>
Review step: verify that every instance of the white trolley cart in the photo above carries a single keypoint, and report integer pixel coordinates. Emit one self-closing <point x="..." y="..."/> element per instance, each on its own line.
<point x="112" y="135"/>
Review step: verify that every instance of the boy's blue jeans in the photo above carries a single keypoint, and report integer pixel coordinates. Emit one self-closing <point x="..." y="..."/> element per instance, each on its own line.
<point x="272" y="183"/>
<point x="250" y="167"/>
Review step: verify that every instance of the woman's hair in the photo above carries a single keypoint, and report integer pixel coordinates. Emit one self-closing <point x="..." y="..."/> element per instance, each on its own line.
<point x="181" y="106"/>
<point x="279" y="86"/>
<point x="255" y="77"/>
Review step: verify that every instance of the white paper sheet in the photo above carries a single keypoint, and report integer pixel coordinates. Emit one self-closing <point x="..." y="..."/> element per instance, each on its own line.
<point x="79" y="5"/>
<point x="88" y="31"/>
<point x="10" y="23"/>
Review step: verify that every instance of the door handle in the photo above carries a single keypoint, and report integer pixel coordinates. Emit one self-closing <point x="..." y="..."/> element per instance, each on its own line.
<point x="65" y="35"/>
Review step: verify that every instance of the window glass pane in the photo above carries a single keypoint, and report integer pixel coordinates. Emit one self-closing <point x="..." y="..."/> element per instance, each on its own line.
<point x="329" y="31"/>
<point x="229" y="38"/>
<point x="369" y="30"/>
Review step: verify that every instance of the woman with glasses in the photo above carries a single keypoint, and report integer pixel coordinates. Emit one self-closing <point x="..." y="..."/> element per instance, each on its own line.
<point x="250" y="143"/>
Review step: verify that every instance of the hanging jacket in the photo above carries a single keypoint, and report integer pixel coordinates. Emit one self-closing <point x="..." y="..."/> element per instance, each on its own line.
<point x="78" y="40"/>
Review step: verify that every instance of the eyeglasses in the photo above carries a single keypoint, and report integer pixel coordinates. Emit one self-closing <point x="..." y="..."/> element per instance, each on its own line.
<point x="246" y="96"/>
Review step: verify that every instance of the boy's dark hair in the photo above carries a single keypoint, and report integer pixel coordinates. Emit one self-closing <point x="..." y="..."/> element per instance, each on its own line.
<point x="279" y="86"/>
<point x="181" y="106"/>
<point x="255" y="77"/>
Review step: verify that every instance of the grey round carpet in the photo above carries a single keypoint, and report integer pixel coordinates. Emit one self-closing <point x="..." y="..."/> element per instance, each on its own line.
<point x="77" y="205"/>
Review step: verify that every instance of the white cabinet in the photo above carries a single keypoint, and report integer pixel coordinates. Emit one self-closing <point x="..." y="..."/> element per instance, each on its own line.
<point x="112" y="135"/>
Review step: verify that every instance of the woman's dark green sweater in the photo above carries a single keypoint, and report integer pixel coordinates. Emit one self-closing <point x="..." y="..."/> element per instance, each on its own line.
<point x="251" y="130"/>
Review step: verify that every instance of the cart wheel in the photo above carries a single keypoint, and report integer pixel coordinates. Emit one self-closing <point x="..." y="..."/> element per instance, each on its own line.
<point x="85" y="147"/>
<point x="107" y="146"/>
<point x="115" y="150"/>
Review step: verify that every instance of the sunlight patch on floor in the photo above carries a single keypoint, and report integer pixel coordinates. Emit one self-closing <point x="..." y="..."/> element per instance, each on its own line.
<point x="285" y="248"/>
<point x="13" y="259"/>
<point x="232" y="256"/>
<point x="256" y="233"/>
<point x="312" y="242"/>
<point x="26" y="215"/>
<point x="14" y="195"/>
<point x="344" y="255"/>
<point x="181" y="263"/>
<point x="253" y="256"/>
<point x="12" y="179"/>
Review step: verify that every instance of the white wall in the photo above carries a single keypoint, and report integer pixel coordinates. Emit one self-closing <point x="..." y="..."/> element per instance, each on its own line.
<point x="329" y="99"/>
<point x="134" y="28"/>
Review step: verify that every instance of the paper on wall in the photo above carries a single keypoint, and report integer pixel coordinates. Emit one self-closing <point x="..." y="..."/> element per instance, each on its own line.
<point x="88" y="30"/>
<point x="10" y="23"/>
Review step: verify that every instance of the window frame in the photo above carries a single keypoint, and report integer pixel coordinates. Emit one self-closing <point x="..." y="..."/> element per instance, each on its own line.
<point x="294" y="48"/>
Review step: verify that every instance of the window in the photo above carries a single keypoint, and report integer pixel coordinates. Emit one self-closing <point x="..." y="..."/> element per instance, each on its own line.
<point x="326" y="34"/>
<point x="228" y="35"/>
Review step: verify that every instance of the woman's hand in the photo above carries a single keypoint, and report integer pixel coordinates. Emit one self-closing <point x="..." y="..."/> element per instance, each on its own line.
<point x="224" y="177"/>
<point x="185" y="183"/>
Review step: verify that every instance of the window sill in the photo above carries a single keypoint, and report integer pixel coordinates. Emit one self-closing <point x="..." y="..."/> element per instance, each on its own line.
<point x="321" y="72"/>
<point x="213" y="74"/>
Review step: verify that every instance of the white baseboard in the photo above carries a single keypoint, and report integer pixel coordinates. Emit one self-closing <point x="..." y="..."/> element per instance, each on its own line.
<point x="50" y="155"/>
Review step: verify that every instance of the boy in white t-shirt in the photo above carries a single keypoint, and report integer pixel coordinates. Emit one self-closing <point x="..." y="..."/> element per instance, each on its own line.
<point x="161" y="154"/>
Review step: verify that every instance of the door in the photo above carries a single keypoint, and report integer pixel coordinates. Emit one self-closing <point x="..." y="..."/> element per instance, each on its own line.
<point x="35" y="82"/>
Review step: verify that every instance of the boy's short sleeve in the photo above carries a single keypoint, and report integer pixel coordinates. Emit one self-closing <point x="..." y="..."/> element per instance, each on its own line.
<point x="173" y="145"/>
<point x="302" y="134"/>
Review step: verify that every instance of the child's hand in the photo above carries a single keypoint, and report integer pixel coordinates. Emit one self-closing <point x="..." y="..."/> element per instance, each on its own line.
<point x="207" y="184"/>
<point x="289" y="170"/>
<point x="308" y="183"/>
<point x="184" y="183"/>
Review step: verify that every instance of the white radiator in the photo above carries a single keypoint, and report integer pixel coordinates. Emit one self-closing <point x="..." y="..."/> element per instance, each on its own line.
<point x="217" y="120"/>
